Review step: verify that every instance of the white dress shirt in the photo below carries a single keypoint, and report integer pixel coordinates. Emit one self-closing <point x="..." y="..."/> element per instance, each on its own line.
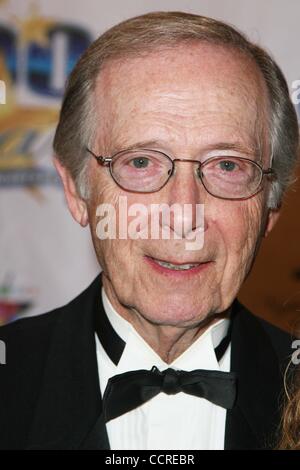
<point x="166" y="422"/>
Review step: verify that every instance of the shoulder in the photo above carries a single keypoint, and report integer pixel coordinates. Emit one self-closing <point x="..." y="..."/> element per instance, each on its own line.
<point x="33" y="344"/>
<point x="33" y="333"/>
<point x="257" y="328"/>
<point x="26" y="340"/>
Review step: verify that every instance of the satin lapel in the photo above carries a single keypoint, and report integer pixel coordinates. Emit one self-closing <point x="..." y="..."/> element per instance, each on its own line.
<point x="70" y="400"/>
<point x="252" y="423"/>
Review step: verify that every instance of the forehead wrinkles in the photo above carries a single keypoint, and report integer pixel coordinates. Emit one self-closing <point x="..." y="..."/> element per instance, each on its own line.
<point x="158" y="87"/>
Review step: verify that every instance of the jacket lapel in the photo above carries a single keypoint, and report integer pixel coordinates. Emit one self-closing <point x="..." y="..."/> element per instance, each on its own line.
<point x="70" y="400"/>
<point x="253" y="421"/>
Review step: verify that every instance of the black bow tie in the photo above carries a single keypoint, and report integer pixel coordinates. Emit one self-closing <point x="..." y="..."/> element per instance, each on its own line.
<point x="125" y="392"/>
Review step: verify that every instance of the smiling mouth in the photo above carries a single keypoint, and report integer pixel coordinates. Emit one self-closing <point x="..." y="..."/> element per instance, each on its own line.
<point x="176" y="267"/>
<point x="168" y="266"/>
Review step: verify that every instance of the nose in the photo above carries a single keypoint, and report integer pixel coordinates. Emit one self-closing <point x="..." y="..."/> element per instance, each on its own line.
<point x="186" y="194"/>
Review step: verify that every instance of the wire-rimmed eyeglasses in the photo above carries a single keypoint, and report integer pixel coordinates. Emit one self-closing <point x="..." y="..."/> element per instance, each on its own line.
<point x="148" y="171"/>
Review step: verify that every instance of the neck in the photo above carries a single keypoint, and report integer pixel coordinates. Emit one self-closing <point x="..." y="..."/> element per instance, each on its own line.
<point x="168" y="341"/>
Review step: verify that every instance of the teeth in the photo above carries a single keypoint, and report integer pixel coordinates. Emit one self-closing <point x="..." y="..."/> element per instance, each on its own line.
<point x="177" y="267"/>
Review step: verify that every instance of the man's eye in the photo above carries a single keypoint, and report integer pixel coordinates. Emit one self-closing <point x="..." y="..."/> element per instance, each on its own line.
<point x="227" y="165"/>
<point x="140" y="162"/>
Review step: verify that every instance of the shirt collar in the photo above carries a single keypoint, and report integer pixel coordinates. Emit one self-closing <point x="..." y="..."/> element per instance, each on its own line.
<point x="138" y="354"/>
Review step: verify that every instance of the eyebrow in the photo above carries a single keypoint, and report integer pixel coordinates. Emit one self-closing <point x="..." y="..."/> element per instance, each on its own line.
<point x="252" y="150"/>
<point x="137" y="145"/>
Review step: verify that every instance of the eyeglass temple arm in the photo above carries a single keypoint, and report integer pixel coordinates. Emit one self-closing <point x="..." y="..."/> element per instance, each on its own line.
<point x="269" y="171"/>
<point x="100" y="159"/>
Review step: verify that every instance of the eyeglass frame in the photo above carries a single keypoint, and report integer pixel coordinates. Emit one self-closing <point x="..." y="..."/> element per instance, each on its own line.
<point x="107" y="161"/>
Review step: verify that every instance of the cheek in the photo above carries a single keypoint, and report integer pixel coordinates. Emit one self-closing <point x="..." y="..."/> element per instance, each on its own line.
<point x="238" y="233"/>
<point x="115" y="255"/>
<point x="239" y="226"/>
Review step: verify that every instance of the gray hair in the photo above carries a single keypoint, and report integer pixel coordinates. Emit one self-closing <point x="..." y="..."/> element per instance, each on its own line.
<point x="78" y="118"/>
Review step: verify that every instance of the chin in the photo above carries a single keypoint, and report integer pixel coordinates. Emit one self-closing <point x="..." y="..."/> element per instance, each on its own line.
<point x="174" y="314"/>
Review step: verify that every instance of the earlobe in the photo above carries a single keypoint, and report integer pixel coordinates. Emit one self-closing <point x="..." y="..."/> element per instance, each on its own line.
<point x="76" y="204"/>
<point x="271" y="219"/>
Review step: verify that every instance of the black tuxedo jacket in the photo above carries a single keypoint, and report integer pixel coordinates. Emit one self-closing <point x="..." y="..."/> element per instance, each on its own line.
<point x="49" y="388"/>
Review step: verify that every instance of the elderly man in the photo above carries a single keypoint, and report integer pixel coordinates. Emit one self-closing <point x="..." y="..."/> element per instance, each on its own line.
<point x="177" y="110"/>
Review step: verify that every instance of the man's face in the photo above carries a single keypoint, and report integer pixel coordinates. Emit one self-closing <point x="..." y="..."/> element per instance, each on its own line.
<point x="192" y="102"/>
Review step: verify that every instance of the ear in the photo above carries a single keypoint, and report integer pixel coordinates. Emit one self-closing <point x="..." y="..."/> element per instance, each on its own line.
<point x="76" y="204"/>
<point x="271" y="219"/>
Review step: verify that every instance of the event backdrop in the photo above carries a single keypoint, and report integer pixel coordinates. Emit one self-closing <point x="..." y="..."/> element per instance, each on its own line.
<point x="45" y="258"/>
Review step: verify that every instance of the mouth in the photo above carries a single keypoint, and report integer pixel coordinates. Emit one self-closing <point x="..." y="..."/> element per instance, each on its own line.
<point x="175" y="267"/>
